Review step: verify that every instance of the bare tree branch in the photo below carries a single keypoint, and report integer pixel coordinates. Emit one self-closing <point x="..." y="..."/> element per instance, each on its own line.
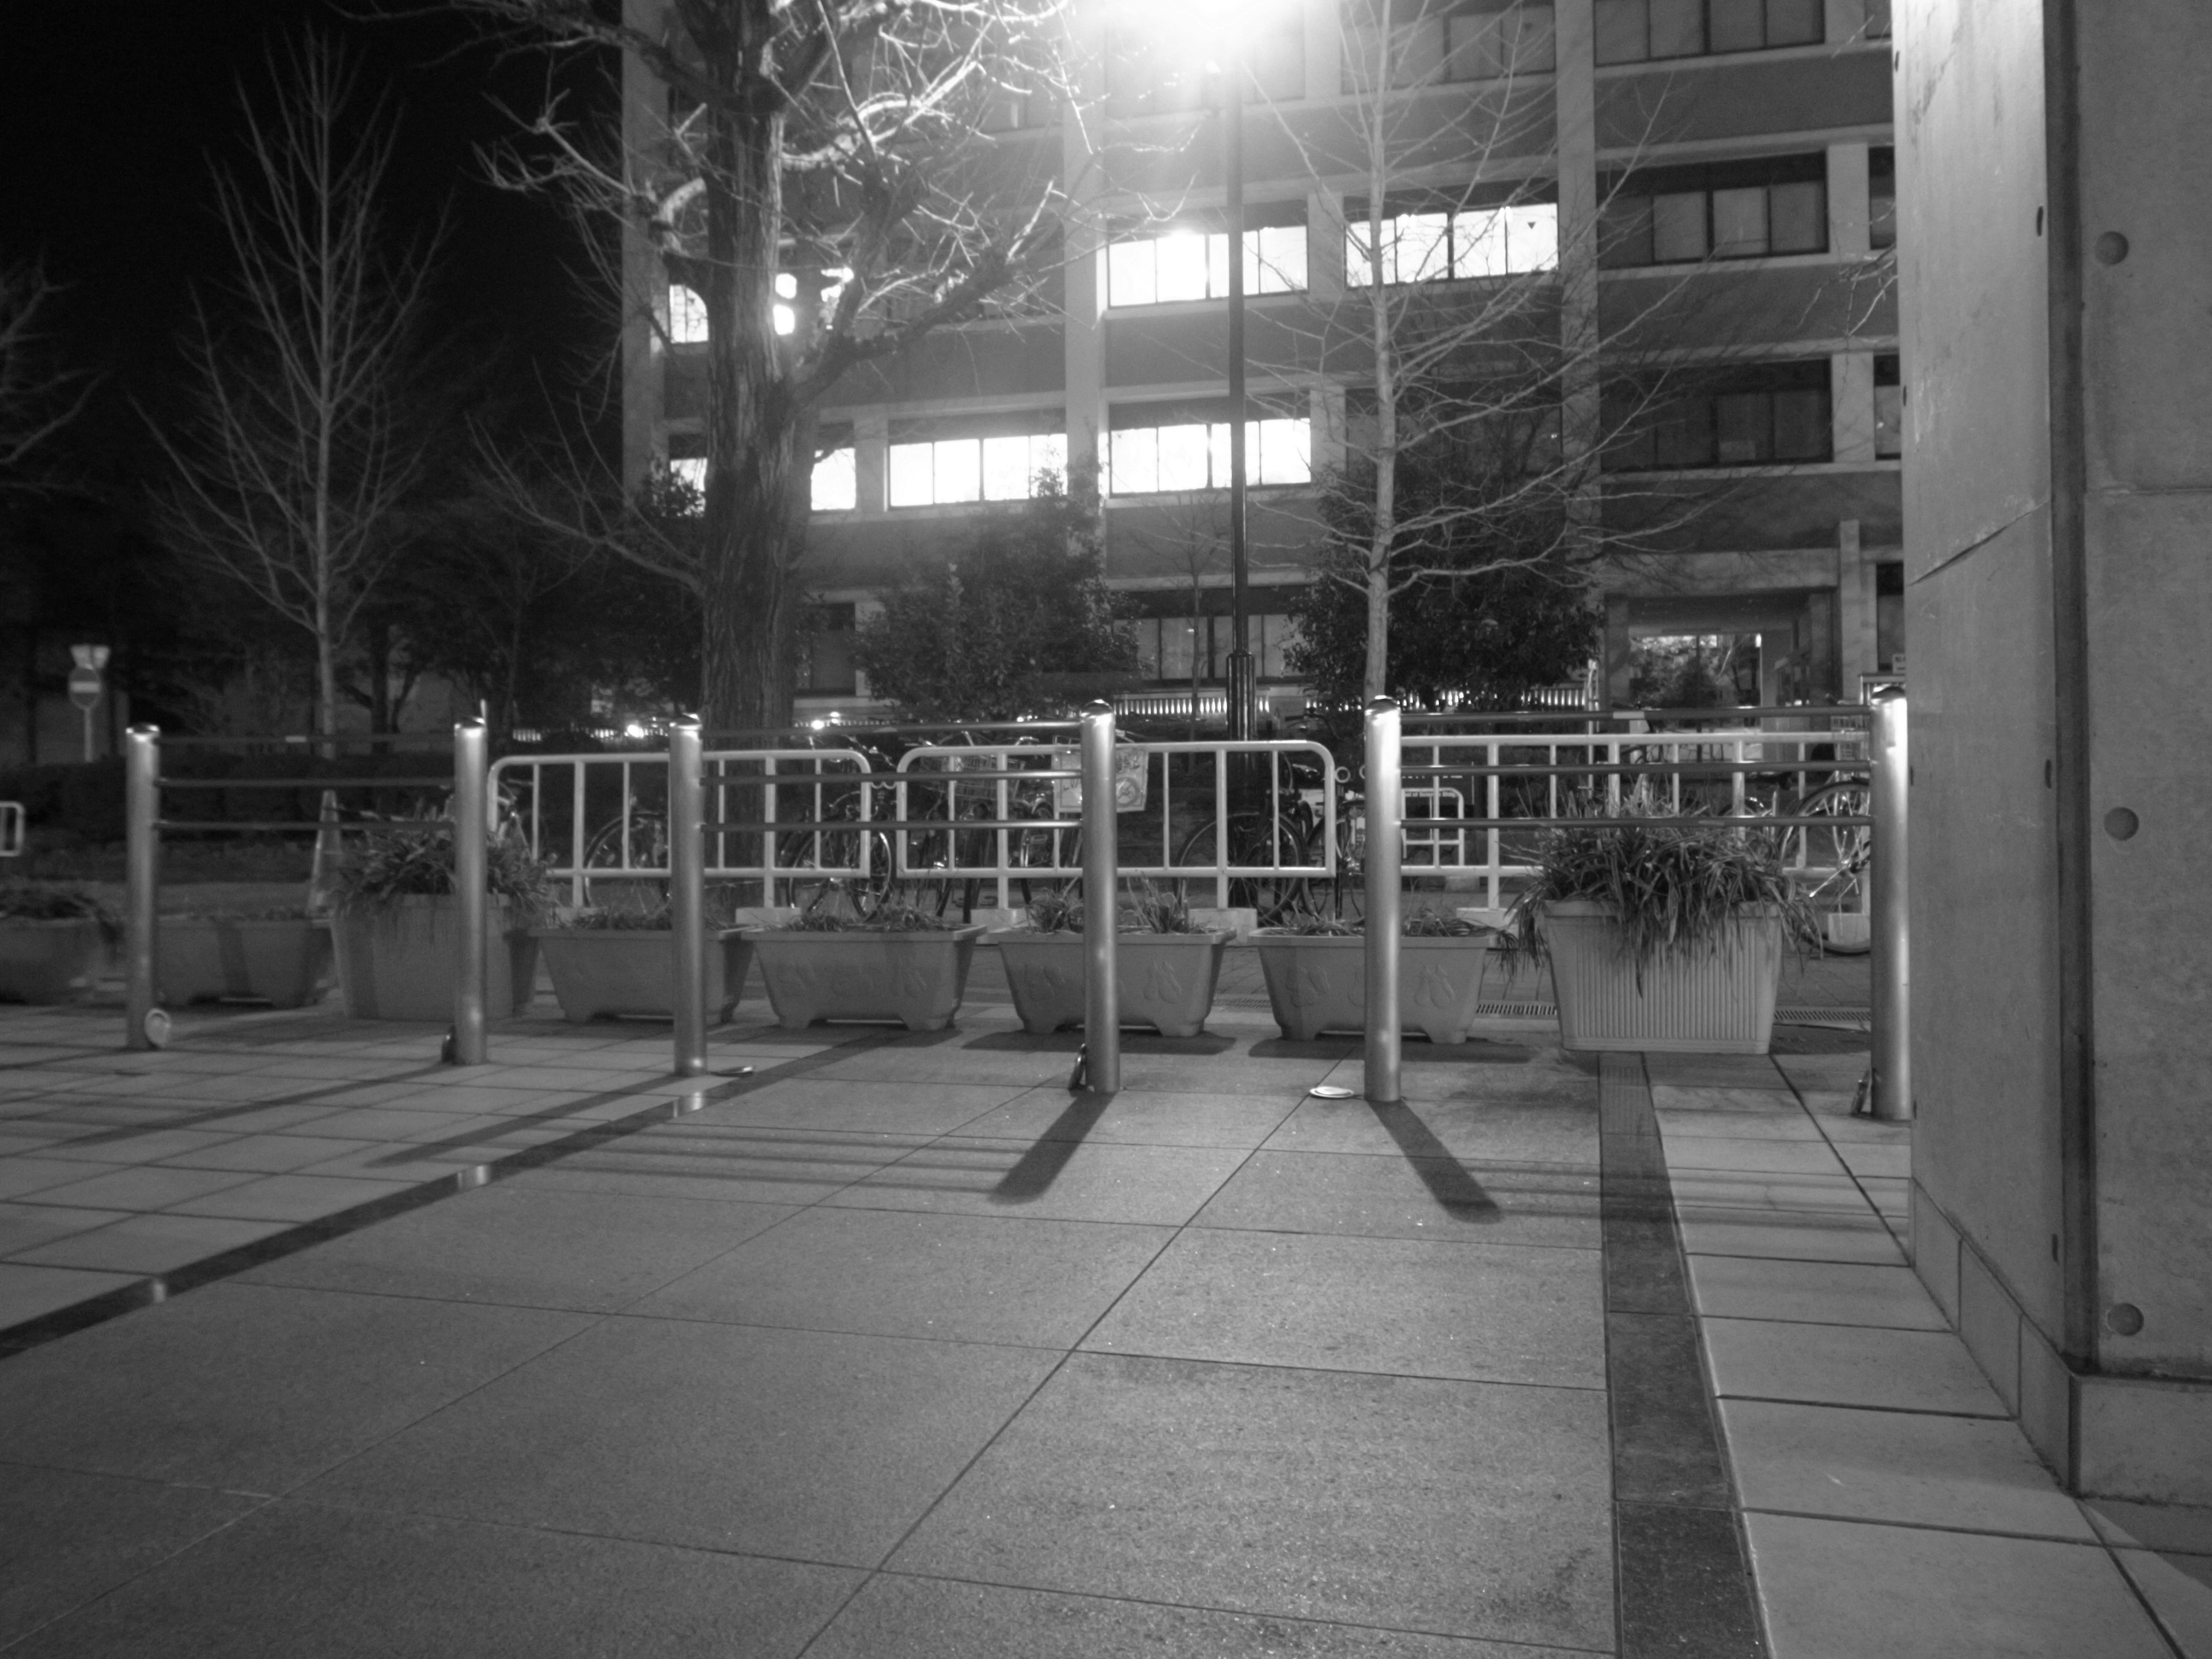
<point x="300" y="445"/>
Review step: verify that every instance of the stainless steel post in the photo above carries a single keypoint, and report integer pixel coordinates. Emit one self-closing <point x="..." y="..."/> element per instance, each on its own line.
<point x="471" y="756"/>
<point x="1101" y="1004"/>
<point x="142" y="876"/>
<point x="687" y="894"/>
<point x="1890" y="1096"/>
<point x="1383" y="858"/>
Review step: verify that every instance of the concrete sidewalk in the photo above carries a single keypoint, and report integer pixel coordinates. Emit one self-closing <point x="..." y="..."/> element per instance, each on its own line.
<point x="898" y="1348"/>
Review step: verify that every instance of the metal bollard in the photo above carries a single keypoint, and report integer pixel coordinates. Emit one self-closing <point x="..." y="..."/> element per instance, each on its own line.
<point x="142" y="876"/>
<point x="1384" y="857"/>
<point x="687" y="894"/>
<point x="471" y="754"/>
<point x="1101" y="1003"/>
<point x="1891" y="1095"/>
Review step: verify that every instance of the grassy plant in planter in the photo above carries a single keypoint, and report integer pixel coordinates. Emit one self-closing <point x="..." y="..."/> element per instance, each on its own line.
<point x="900" y="963"/>
<point x="1665" y="936"/>
<point x="1165" y="965"/>
<point x="397" y="929"/>
<point x="606" y="963"/>
<point x="53" y="938"/>
<point x="1316" y="975"/>
<point x="276" y="957"/>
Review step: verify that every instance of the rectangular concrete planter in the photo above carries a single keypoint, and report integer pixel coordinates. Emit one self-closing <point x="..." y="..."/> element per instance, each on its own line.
<point x="602" y="972"/>
<point x="1165" y="980"/>
<point x="397" y="962"/>
<point x="1708" y="999"/>
<point x="206" y="958"/>
<point x="916" y="979"/>
<point x="1318" y="982"/>
<point x="49" y="961"/>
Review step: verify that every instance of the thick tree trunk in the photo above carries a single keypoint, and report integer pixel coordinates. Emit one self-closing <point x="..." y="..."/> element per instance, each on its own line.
<point x="753" y="425"/>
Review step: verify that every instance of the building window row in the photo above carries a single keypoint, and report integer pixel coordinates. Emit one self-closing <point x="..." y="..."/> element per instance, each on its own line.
<point x="1767" y="415"/>
<point x="1455" y="246"/>
<point x="1191" y="265"/>
<point x="687" y="312"/>
<point x="1154" y="460"/>
<point x="1637" y="31"/>
<point x="953" y="471"/>
<point x="1177" y="648"/>
<point x="1480" y="42"/>
<point x="1739" y="210"/>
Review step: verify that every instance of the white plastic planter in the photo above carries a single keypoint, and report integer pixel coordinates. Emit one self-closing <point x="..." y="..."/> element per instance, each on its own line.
<point x="207" y="958"/>
<point x="915" y="980"/>
<point x="1317" y="982"/>
<point x="1714" y="998"/>
<point x="1165" y="980"/>
<point x="600" y="973"/>
<point x="49" y="961"/>
<point x="395" y="961"/>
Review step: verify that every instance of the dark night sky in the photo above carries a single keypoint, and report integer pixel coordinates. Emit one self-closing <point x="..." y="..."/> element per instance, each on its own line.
<point x="111" y="117"/>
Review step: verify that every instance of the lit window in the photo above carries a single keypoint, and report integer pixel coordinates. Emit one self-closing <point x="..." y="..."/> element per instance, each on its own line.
<point x="1157" y="270"/>
<point x="686" y="316"/>
<point x="692" y="470"/>
<point x="786" y="288"/>
<point x="836" y="485"/>
<point x="1432" y="247"/>
<point x="1151" y="460"/>
<point x="951" y="472"/>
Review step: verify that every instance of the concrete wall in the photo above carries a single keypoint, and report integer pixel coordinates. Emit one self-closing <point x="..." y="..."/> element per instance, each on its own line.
<point x="2057" y="527"/>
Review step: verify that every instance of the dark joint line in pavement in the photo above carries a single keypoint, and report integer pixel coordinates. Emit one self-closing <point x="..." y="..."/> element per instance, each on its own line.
<point x="1682" y="1574"/>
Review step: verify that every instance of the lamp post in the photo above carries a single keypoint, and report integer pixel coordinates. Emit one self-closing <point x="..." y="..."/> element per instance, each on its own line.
<point x="1244" y="684"/>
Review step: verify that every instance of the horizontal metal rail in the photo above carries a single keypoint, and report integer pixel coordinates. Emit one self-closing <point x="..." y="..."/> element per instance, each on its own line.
<point x="1686" y="821"/>
<point x="301" y="826"/>
<point x="429" y="741"/>
<point x="1639" y="769"/>
<point x="306" y="783"/>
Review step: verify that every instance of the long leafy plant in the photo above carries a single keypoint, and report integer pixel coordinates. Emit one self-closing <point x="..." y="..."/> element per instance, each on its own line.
<point x="413" y="858"/>
<point x="1676" y="889"/>
<point x="56" y="901"/>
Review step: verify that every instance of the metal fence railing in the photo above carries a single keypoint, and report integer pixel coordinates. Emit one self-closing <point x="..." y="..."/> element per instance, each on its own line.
<point x="1218" y="813"/>
<point x="1809" y="787"/>
<point x="787" y="816"/>
<point x="11" y="828"/>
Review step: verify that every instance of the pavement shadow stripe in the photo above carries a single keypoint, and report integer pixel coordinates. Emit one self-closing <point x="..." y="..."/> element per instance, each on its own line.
<point x="1682" y="1575"/>
<point x="159" y="1287"/>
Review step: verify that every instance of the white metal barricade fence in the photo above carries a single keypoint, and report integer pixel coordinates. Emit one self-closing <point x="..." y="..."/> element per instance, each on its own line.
<point x="603" y="818"/>
<point x="1546" y="774"/>
<point x="1280" y="824"/>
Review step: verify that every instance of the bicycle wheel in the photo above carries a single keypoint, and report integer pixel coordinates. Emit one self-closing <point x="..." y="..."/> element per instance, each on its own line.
<point x="633" y="851"/>
<point x="1253" y="840"/>
<point x="1829" y="864"/>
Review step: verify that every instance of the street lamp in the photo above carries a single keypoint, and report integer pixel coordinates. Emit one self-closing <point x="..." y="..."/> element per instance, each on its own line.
<point x="1243" y="683"/>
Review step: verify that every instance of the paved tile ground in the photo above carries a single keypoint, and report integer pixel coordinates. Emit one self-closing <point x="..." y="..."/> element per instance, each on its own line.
<point x="898" y="1348"/>
<point x="1892" y="1508"/>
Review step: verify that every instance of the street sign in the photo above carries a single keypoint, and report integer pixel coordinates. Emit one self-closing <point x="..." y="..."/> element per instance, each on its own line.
<point x="84" y="688"/>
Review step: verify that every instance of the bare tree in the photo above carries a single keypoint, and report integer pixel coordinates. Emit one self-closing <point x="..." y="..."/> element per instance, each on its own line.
<point x="302" y="440"/>
<point x="833" y="146"/>
<point x="38" y="397"/>
<point x="1465" y="316"/>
